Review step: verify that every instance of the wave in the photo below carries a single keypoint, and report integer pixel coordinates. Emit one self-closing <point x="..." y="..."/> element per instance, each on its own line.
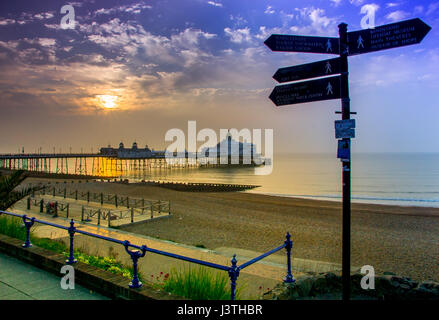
<point x="353" y="197"/>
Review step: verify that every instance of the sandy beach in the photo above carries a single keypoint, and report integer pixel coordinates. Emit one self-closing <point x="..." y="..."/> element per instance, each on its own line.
<point x="403" y="240"/>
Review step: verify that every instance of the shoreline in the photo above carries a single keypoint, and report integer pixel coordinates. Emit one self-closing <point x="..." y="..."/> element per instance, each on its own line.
<point x="354" y="199"/>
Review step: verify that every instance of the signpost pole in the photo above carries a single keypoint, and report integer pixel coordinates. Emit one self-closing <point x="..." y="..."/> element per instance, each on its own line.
<point x="346" y="164"/>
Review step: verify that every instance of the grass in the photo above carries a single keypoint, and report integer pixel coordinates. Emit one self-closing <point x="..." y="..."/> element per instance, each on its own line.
<point x="197" y="283"/>
<point x="12" y="227"/>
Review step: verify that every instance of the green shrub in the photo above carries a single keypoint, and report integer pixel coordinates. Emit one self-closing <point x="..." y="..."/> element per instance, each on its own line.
<point x="12" y="227"/>
<point x="198" y="283"/>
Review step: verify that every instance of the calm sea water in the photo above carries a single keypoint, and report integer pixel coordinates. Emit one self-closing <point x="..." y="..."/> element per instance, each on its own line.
<point x="400" y="179"/>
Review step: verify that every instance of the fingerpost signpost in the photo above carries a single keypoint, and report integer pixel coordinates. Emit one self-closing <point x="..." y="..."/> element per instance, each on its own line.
<point x="388" y="36"/>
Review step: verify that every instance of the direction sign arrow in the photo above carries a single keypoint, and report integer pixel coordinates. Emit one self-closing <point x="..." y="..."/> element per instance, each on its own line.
<point x="289" y="43"/>
<point x="309" y="70"/>
<point x="306" y="91"/>
<point x="388" y="36"/>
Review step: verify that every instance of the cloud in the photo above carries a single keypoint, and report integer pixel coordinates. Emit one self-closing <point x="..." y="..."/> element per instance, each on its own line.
<point x="314" y="21"/>
<point x="336" y="3"/>
<point x="392" y="4"/>
<point x="133" y="8"/>
<point x="418" y="9"/>
<point x="4" y="22"/>
<point x="397" y="15"/>
<point x="432" y="8"/>
<point x="238" y="20"/>
<point x="356" y="2"/>
<point x="215" y="4"/>
<point x="269" y="10"/>
<point x="238" y="35"/>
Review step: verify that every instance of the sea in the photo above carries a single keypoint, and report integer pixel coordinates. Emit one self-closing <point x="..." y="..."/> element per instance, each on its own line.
<point x="405" y="179"/>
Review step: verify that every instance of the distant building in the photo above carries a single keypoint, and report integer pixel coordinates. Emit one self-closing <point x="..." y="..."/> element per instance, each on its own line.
<point x="236" y="152"/>
<point x="128" y="153"/>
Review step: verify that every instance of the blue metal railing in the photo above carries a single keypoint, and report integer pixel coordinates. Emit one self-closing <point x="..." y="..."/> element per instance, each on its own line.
<point x="233" y="270"/>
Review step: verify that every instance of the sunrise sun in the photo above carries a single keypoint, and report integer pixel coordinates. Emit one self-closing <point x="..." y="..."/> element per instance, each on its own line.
<point x="108" y="101"/>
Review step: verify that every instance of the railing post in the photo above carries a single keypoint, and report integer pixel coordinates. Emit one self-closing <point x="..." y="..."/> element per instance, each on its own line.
<point x="71" y="230"/>
<point x="152" y="209"/>
<point x="288" y="246"/>
<point x="135" y="255"/>
<point x="41" y="206"/>
<point x="28" y="225"/>
<point x="233" y="274"/>
<point x="28" y="203"/>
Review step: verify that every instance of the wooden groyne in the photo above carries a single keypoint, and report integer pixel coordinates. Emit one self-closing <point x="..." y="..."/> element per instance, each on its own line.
<point x="199" y="187"/>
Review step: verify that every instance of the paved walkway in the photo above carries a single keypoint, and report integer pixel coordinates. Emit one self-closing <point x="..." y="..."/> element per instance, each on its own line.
<point x="21" y="281"/>
<point x="264" y="274"/>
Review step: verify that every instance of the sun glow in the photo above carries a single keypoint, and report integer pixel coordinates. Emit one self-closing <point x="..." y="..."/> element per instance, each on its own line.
<point x="108" y="101"/>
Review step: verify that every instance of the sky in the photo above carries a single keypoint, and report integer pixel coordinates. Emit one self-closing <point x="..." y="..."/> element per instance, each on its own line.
<point x="132" y="70"/>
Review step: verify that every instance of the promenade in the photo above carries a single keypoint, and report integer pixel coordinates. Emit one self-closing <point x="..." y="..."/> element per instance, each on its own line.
<point x="22" y="281"/>
<point x="254" y="280"/>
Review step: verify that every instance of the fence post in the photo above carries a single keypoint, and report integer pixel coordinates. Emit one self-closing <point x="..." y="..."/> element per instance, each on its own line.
<point x="28" y="203"/>
<point x="65" y="192"/>
<point x="88" y="196"/>
<point x="71" y="230"/>
<point x="102" y="198"/>
<point x="132" y="215"/>
<point x="41" y="205"/>
<point x="288" y="246"/>
<point x="152" y="209"/>
<point x="56" y="209"/>
<point x="128" y="202"/>
<point x="109" y="218"/>
<point x="135" y="255"/>
<point x="233" y="274"/>
<point x="67" y="210"/>
<point x="99" y="217"/>
<point x="82" y="213"/>
<point x="28" y="225"/>
<point x="115" y="200"/>
<point x="169" y="207"/>
<point x="160" y="207"/>
<point x="76" y="194"/>
<point x="53" y="190"/>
